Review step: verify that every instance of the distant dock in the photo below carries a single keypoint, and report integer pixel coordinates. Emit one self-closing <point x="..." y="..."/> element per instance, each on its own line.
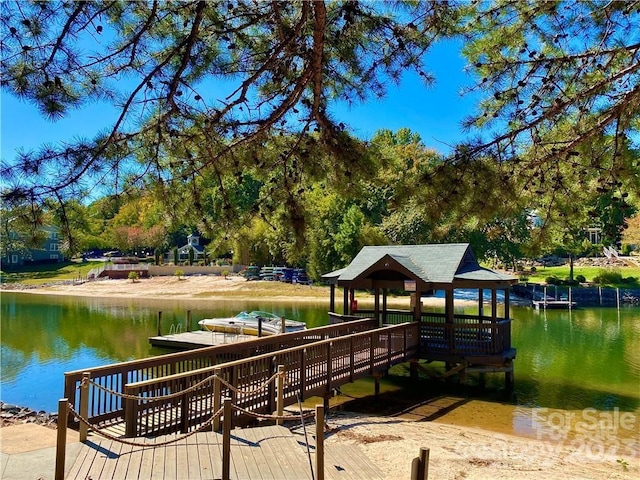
<point x="553" y="304"/>
<point x="197" y="339"/>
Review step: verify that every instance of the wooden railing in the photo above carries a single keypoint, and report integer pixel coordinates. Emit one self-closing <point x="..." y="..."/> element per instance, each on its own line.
<point x="467" y="335"/>
<point x="106" y="406"/>
<point x="312" y="369"/>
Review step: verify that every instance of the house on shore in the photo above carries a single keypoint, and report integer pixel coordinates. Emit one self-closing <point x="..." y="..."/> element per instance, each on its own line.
<point x="48" y="249"/>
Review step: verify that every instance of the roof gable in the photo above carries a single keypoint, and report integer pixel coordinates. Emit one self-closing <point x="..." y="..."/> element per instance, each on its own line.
<point x="431" y="263"/>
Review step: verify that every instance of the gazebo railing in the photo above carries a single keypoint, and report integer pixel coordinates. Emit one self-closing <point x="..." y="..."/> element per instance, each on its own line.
<point x="467" y="335"/>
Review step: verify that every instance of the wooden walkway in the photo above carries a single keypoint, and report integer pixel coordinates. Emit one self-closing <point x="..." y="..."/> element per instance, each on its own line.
<point x="262" y="453"/>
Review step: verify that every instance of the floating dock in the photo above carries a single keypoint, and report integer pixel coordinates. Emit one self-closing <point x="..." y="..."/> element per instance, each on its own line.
<point x="197" y="339"/>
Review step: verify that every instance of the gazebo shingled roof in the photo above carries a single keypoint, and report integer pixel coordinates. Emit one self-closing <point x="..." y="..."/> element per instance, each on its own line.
<point x="441" y="264"/>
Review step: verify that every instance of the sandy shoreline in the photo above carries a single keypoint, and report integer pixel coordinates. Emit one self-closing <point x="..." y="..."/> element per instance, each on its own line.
<point x="457" y="452"/>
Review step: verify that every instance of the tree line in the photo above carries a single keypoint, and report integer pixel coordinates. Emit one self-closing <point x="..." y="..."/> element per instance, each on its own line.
<point x="224" y="121"/>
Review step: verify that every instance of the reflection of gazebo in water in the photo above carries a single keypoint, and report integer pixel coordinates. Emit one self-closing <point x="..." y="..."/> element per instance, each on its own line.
<point x="466" y="343"/>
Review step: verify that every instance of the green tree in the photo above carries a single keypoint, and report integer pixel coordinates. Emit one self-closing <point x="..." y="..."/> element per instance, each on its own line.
<point x="278" y="68"/>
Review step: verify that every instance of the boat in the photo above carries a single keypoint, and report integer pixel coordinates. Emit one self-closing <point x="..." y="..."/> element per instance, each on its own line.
<point x="249" y="323"/>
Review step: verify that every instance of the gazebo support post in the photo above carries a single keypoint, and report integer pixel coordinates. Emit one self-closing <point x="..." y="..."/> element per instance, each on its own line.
<point x="345" y="303"/>
<point x="417" y="310"/>
<point x="332" y="298"/>
<point x="376" y="304"/>
<point x="507" y="313"/>
<point x="480" y="303"/>
<point x="384" y="304"/>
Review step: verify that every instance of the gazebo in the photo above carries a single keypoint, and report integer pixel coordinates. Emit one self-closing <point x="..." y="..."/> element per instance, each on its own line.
<point x="466" y="343"/>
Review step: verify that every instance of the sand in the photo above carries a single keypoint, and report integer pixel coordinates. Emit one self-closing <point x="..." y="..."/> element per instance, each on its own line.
<point x="456" y="452"/>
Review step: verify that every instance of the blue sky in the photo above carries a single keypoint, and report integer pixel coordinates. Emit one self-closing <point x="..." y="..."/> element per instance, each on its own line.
<point x="435" y="112"/>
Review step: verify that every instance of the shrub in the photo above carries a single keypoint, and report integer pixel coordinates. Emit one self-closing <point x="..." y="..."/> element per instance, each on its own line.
<point x="523" y="277"/>
<point x="580" y="278"/>
<point x="608" y="277"/>
<point x="134" y="276"/>
<point x="553" y="280"/>
<point x="178" y="273"/>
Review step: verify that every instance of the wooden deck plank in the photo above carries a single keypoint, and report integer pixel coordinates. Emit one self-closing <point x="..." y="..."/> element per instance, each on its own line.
<point x="214" y="444"/>
<point x="135" y="461"/>
<point x="157" y="466"/>
<point x="82" y="463"/>
<point x="241" y="457"/>
<point x="279" y="443"/>
<point x="254" y="460"/>
<point x="146" y="462"/>
<point x="194" y="470"/>
<point x="182" y="463"/>
<point x="170" y="458"/>
<point x="261" y="453"/>
<point x="122" y="463"/>
<point x="109" y="453"/>
<point x="201" y="439"/>
<point x="347" y="462"/>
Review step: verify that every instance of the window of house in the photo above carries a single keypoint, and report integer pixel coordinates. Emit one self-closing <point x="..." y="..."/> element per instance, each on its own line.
<point x="14" y="258"/>
<point x="54" y="235"/>
<point x="53" y="257"/>
<point x="54" y="248"/>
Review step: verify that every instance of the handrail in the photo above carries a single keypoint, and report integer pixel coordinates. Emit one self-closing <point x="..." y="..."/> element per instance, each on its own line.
<point x="311" y="369"/>
<point x="267" y="356"/>
<point x="105" y="406"/>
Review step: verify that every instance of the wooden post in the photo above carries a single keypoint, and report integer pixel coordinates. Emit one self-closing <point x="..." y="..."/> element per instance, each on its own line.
<point x="61" y="441"/>
<point x="508" y="377"/>
<point x="187" y="322"/>
<point x="130" y="414"/>
<point x="84" y="406"/>
<point x="507" y="312"/>
<point x="600" y="294"/>
<point x="345" y="301"/>
<point x="283" y="328"/>
<point x="319" y="442"/>
<point x="376" y="304"/>
<point x="377" y="385"/>
<point x="280" y="399"/>
<point x="303" y="373"/>
<point x="217" y="397"/>
<point x="159" y="323"/>
<point x="420" y="465"/>
<point x="384" y="305"/>
<point x="480" y="303"/>
<point x="226" y="440"/>
<point x="332" y="298"/>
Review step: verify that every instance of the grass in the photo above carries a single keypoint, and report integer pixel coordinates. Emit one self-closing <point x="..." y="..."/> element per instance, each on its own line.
<point x="562" y="272"/>
<point x="38" y="274"/>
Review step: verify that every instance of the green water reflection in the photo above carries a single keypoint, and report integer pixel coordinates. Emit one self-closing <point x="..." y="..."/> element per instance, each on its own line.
<point x="587" y="358"/>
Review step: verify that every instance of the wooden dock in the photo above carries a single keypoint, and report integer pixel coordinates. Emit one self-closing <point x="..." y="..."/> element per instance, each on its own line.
<point x="553" y="304"/>
<point x="197" y="339"/>
<point x="271" y="452"/>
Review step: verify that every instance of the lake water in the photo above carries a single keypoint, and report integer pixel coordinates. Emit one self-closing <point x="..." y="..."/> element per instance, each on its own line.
<point x="566" y="362"/>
